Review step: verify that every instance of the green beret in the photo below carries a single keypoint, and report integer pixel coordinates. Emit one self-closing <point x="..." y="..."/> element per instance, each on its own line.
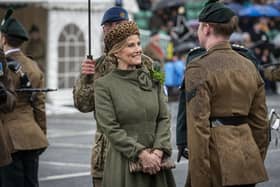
<point x="12" y="27"/>
<point x="215" y="12"/>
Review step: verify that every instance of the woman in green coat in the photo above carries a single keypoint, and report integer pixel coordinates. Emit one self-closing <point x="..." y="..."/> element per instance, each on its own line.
<point x="131" y="110"/>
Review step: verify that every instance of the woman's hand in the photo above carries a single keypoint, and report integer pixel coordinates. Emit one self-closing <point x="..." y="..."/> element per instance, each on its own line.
<point x="150" y="162"/>
<point x="158" y="153"/>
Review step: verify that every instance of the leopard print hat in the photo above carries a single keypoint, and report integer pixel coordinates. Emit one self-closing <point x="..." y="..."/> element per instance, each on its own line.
<point x="119" y="33"/>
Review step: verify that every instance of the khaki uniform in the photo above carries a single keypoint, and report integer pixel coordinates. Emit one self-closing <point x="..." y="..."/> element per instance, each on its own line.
<point x="272" y="73"/>
<point x="220" y="84"/>
<point x="26" y="125"/>
<point x="5" y="107"/>
<point x="83" y="94"/>
<point x="36" y="50"/>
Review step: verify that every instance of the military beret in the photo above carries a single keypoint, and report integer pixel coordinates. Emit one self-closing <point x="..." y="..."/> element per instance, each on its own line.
<point x="12" y="27"/>
<point x="114" y="14"/>
<point x="215" y="12"/>
<point x="119" y="33"/>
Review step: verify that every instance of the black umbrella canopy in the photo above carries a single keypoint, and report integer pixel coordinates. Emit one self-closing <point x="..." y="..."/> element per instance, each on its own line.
<point x="162" y="4"/>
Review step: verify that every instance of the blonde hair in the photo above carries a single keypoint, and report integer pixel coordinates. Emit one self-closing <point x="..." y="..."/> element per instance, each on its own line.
<point x="110" y="56"/>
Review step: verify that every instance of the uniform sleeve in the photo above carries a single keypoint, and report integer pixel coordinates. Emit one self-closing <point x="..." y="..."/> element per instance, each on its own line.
<point x="162" y="138"/>
<point x="83" y="93"/>
<point x="198" y="133"/>
<point x="272" y="74"/>
<point x="38" y="104"/>
<point x="107" y="121"/>
<point x="258" y="119"/>
<point x="9" y="89"/>
<point x="8" y="104"/>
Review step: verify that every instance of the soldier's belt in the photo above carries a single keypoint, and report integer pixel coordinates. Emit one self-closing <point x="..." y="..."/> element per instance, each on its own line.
<point x="228" y="120"/>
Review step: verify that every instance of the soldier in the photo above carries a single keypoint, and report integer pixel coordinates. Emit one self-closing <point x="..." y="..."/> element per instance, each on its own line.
<point x="226" y="110"/>
<point x="272" y="72"/>
<point x="36" y="47"/>
<point x="26" y="125"/>
<point x="7" y="104"/>
<point x="83" y="91"/>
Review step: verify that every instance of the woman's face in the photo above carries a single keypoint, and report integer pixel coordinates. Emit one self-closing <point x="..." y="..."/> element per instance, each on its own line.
<point x="130" y="54"/>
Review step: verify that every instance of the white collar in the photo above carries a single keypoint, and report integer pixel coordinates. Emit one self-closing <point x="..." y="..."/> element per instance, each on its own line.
<point x="12" y="51"/>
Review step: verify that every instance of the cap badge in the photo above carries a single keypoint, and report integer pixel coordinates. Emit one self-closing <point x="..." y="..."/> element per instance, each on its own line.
<point x="122" y="14"/>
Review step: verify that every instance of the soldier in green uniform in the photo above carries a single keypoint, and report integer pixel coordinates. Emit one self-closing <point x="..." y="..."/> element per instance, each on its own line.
<point x="83" y="91"/>
<point x="226" y="110"/>
<point x="7" y="104"/>
<point x="25" y="126"/>
<point x="131" y="110"/>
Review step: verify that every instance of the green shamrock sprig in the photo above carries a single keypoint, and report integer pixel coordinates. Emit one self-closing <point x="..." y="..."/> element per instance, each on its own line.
<point x="158" y="76"/>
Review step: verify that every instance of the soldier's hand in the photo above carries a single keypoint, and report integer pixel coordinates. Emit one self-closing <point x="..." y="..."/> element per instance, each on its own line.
<point x="182" y="151"/>
<point x="88" y="67"/>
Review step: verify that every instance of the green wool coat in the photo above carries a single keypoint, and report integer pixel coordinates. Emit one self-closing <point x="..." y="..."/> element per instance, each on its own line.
<point x="131" y="110"/>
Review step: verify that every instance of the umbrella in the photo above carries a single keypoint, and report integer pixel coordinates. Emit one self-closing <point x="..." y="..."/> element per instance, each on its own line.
<point x="275" y="4"/>
<point x="168" y="3"/>
<point x="236" y="7"/>
<point x="259" y="11"/>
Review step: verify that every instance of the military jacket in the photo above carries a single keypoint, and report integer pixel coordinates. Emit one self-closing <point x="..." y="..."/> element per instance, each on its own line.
<point x="223" y="83"/>
<point x="36" y="50"/>
<point x="5" y="107"/>
<point x="26" y="125"/>
<point x="132" y="112"/>
<point x="272" y="73"/>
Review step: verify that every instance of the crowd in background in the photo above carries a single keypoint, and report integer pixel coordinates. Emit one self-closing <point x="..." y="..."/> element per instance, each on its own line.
<point x="261" y="34"/>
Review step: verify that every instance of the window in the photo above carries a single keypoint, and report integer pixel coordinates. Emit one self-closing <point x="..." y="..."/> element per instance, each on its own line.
<point x="71" y="51"/>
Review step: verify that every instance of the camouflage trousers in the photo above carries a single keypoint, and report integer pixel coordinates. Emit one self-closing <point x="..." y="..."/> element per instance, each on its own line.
<point x="98" y="157"/>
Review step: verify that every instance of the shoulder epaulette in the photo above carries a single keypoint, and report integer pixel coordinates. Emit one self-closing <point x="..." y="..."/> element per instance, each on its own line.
<point x="195" y="52"/>
<point x="239" y="47"/>
<point x="245" y="52"/>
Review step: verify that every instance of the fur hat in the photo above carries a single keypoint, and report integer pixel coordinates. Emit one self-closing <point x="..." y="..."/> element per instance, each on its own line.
<point x="119" y="33"/>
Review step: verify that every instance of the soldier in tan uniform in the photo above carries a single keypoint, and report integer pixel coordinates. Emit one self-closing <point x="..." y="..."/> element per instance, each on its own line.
<point x="226" y="110"/>
<point x="26" y="125"/>
<point x="35" y="47"/>
<point x="83" y="92"/>
<point x="272" y="73"/>
<point x="7" y="104"/>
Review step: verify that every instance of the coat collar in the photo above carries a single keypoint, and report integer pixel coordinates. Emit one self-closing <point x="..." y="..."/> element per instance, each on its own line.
<point x="12" y="51"/>
<point x="220" y="46"/>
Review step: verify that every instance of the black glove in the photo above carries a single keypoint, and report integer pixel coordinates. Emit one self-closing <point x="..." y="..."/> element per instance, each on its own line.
<point x="182" y="151"/>
<point x="24" y="81"/>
